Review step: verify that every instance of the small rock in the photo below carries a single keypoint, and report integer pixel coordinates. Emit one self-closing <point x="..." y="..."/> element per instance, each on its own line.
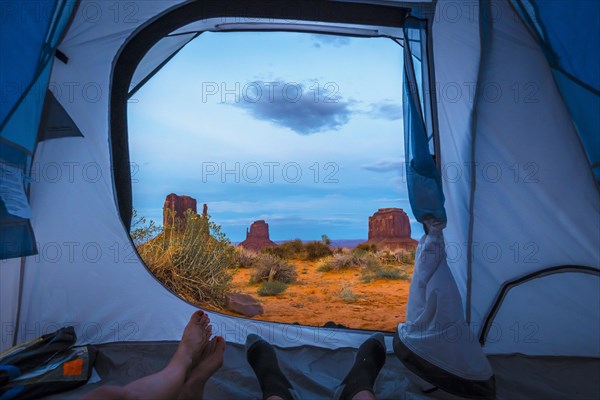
<point x="243" y="304"/>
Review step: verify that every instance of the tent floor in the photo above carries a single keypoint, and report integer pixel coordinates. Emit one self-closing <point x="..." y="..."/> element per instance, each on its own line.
<point x="315" y="372"/>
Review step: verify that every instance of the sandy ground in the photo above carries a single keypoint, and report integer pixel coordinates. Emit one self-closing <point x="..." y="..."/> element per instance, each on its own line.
<point x="315" y="299"/>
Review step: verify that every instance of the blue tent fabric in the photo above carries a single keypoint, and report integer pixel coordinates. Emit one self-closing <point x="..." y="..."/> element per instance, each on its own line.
<point x="22" y="35"/>
<point x="22" y="126"/>
<point x="16" y="234"/>
<point x="423" y="178"/>
<point x="569" y="31"/>
<point x="570" y="34"/>
<point x="29" y="34"/>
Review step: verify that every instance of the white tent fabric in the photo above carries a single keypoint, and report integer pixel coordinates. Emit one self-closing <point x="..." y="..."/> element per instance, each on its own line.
<point x="542" y="330"/>
<point x="516" y="169"/>
<point x="542" y="222"/>
<point x="456" y="66"/>
<point x="435" y="328"/>
<point x="249" y="24"/>
<point x="155" y="57"/>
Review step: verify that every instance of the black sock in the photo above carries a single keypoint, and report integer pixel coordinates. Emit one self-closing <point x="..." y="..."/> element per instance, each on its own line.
<point x="261" y="357"/>
<point x="369" y="361"/>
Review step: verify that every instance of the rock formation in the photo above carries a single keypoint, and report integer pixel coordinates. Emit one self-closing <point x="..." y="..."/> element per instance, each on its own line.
<point x="179" y="205"/>
<point x="257" y="238"/>
<point x="389" y="229"/>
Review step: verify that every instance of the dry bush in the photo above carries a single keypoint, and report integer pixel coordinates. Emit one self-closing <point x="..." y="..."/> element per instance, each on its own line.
<point x="345" y="293"/>
<point x="244" y="258"/>
<point x="366" y="247"/>
<point x="271" y="268"/>
<point x="400" y="256"/>
<point x="142" y="230"/>
<point x="192" y="258"/>
<point x="317" y="250"/>
<point x="383" y="272"/>
<point x="355" y="259"/>
<point x="294" y="249"/>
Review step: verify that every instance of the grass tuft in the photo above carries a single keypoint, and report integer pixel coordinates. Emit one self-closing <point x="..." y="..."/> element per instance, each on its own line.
<point x="271" y="288"/>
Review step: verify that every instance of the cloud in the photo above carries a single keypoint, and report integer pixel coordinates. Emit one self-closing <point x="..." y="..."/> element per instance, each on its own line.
<point x="296" y="106"/>
<point x="330" y="40"/>
<point x="386" y="109"/>
<point x="385" y="165"/>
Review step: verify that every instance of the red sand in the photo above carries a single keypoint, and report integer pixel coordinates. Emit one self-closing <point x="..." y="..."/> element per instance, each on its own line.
<point x="314" y="299"/>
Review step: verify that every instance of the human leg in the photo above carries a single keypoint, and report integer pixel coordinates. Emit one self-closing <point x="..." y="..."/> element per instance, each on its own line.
<point x="211" y="361"/>
<point x="263" y="360"/>
<point x="359" y="382"/>
<point x="168" y="382"/>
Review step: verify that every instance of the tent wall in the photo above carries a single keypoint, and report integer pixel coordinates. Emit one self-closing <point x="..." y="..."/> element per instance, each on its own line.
<point x="155" y="59"/>
<point x="9" y="293"/>
<point x="525" y="199"/>
<point x="456" y="50"/>
<point x="575" y="63"/>
<point x="73" y="208"/>
<point x="541" y="329"/>
<point x="28" y="35"/>
<point x="88" y="273"/>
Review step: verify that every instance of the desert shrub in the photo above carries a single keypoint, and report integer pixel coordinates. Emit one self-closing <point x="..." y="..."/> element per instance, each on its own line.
<point x="141" y="229"/>
<point x="295" y="249"/>
<point x="345" y="293"/>
<point x="401" y="256"/>
<point x="288" y="250"/>
<point x="383" y="272"/>
<point x="271" y="288"/>
<point x="192" y="258"/>
<point x="387" y="257"/>
<point x="316" y="250"/>
<point x="341" y="261"/>
<point x="244" y="258"/>
<point x="366" y="247"/>
<point x="271" y="268"/>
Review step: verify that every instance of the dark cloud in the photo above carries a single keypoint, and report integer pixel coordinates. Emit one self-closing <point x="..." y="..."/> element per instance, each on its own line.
<point x="330" y="40"/>
<point x="386" y="109"/>
<point x="385" y="166"/>
<point x="296" y="106"/>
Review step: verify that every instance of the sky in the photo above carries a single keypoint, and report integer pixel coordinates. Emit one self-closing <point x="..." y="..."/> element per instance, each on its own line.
<point x="304" y="131"/>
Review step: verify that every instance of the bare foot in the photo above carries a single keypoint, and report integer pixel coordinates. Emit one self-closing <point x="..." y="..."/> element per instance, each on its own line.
<point x="210" y="363"/>
<point x="194" y="341"/>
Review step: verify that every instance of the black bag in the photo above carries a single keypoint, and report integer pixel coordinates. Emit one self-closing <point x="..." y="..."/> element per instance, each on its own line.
<point x="45" y="365"/>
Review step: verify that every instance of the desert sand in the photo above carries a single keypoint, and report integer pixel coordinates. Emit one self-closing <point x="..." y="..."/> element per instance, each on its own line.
<point x="318" y="297"/>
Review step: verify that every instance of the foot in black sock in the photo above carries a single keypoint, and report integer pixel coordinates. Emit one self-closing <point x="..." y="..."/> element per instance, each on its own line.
<point x="369" y="361"/>
<point x="261" y="357"/>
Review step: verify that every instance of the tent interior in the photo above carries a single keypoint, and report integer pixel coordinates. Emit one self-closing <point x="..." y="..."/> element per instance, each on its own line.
<point x="502" y="151"/>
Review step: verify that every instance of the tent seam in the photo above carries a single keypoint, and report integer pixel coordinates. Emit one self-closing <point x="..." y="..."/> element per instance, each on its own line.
<point x="484" y="34"/>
